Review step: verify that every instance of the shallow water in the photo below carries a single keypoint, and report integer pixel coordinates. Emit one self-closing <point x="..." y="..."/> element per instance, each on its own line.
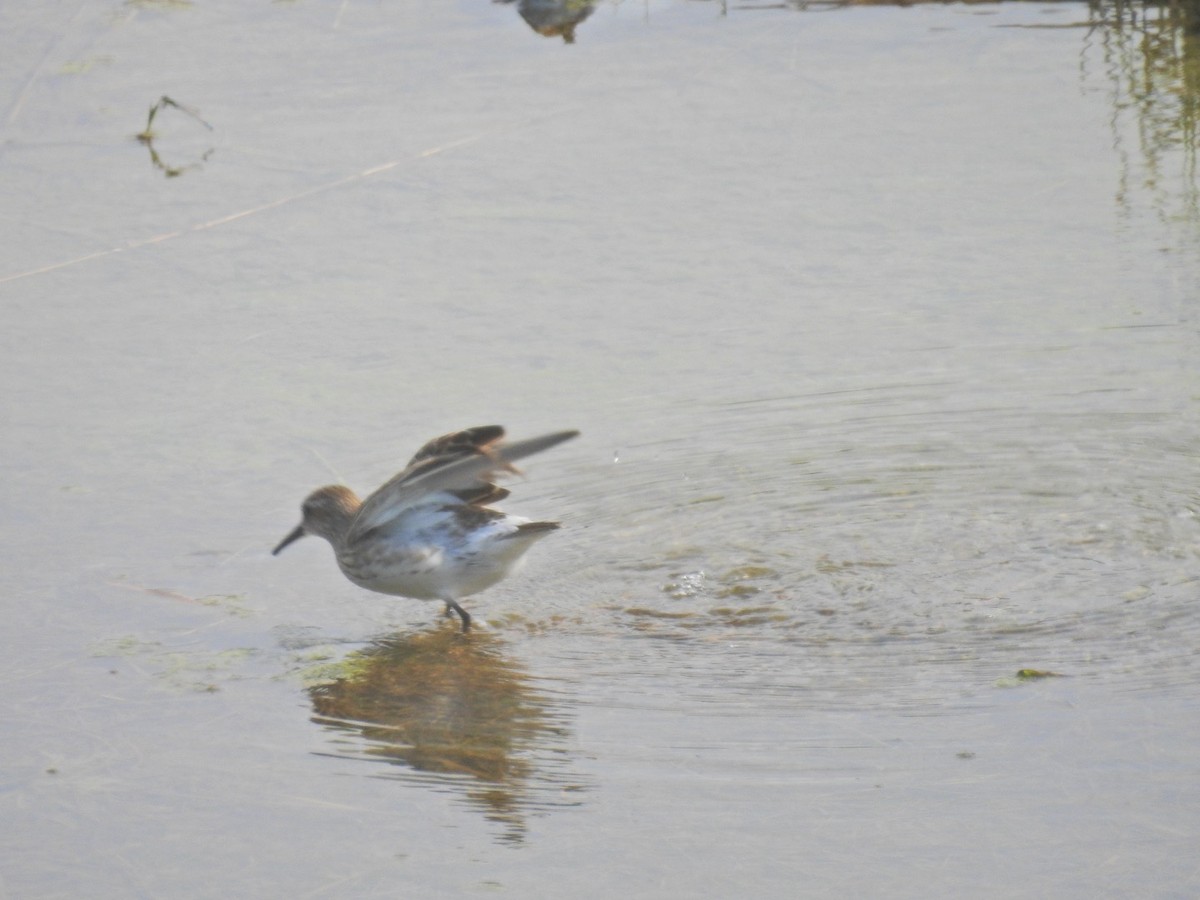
<point x="880" y="327"/>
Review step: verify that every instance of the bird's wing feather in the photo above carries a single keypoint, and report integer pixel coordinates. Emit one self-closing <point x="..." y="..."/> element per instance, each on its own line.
<point x="463" y="467"/>
<point x="458" y="443"/>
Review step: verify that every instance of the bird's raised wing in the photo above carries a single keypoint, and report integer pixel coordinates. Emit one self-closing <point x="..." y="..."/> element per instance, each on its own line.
<point x="462" y="461"/>
<point x="459" y="443"/>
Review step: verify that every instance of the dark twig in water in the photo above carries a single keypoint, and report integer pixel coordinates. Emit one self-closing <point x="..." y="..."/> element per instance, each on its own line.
<point x="147" y="135"/>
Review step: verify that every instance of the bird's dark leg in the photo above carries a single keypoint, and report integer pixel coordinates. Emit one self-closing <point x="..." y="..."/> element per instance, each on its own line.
<point x="462" y="614"/>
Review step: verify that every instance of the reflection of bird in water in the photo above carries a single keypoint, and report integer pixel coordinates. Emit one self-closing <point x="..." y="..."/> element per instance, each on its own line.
<point x="554" y="17"/>
<point x="462" y="710"/>
<point x="426" y="533"/>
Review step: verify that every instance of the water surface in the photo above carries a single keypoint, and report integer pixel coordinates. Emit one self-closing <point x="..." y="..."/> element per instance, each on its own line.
<point x="880" y="328"/>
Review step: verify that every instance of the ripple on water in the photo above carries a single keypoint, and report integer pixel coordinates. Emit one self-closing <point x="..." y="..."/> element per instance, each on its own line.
<point x="909" y="548"/>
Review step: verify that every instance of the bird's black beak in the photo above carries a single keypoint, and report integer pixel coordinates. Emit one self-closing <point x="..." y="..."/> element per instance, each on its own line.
<point x="294" y="536"/>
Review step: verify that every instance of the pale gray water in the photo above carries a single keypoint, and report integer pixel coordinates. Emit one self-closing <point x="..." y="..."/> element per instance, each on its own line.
<point x="880" y="326"/>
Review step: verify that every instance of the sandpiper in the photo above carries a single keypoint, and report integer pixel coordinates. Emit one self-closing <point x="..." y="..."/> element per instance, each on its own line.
<point x="427" y="532"/>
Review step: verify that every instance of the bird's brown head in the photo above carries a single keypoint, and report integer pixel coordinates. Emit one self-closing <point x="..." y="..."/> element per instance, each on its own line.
<point x="327" y="512"/>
